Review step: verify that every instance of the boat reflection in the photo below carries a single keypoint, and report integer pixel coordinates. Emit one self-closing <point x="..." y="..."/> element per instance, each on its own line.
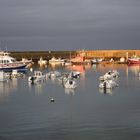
<point x="55" y="66"/>
<point x="106" y="91"/>
<point x="94" y="66"/>
<point x="7" y="87"/>
<point x="4" y="89"/>
<point x="70" y="91"/>
<point x="79" y="68"/>
<point x="135" y="68"/>
<point x="42" y="66"/>
<point x="36" y="87"/>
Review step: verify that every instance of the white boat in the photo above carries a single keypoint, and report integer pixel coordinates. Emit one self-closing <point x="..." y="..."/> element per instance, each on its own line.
<point x="96" y="60"/>
<point x="28" y="62"/>
<point x="70" y="84"/>
<point x="37" y="77"/>
<point x="115" y="73"/>
<point x="9" y="63"/>
<point x="106" y="76"/>
<point x="109" y="75"/>
<point x="63" y="78"/>
<point x="56" y="61"/>
<point x="41" y="61"/>
<point x="53" y="74"/>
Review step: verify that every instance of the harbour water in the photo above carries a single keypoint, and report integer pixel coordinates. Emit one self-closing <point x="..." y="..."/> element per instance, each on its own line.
<point x="86" y="113"/>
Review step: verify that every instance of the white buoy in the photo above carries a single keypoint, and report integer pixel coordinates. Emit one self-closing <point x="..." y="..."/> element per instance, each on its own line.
<point x="52" y="100"/>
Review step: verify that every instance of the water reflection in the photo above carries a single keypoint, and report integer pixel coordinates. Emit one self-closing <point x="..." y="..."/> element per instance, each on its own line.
<point x="14" y="82"/>
<point x="69" y="91"/>
<point x="106" y="91"/>
<point x="7" y="87"/>
<point x="36" y="87"/>
<point x="106" y="67"/>
<point x="23" y="113"/>
<point x="42" y="66"/>
<point x="54" y="66"/>
<point x="4" y="89"/>
<point x="94" y="66"/>
<point x="80" y="68"/>
<point x="135" y="69"/>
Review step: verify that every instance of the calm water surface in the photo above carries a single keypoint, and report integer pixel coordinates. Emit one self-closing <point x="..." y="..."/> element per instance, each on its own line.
<point x="85" y="113"/>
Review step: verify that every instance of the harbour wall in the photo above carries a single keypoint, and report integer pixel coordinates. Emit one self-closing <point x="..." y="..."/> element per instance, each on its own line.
<point x="89" y="54"/>
<point x="35" y="55"/>
<point x="115" y="54"/>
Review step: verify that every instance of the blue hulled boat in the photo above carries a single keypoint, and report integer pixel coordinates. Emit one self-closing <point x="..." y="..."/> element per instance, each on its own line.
<point x="8" y="63"/>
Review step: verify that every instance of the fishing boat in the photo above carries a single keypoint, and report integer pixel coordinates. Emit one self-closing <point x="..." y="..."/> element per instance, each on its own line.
<point x="54" y="60"/>
<point x="96" y="60"/>
<point x="8" y="63"/>
<point x="134" y="60"/>
<point x="27" y="62"/>
<point x="70" y="84"/>
<point x="77" y="60"/>
<point x="37" y="77"/>
<point x="42" y="62"/>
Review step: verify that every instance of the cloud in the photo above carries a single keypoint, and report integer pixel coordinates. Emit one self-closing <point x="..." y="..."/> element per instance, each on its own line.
<point x="63" y="24"/>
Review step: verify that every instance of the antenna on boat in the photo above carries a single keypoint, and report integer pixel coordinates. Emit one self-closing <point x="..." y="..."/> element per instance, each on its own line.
<point x="0" y="45"/>
<point x="6" y="46"/>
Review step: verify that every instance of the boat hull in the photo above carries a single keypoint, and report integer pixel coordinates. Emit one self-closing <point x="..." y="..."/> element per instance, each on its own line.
<point x="10" y="67"/>
<point x="133" y="61"/>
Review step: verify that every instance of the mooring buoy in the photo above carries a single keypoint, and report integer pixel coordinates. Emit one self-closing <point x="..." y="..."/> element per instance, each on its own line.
<point x="52" y="100"/>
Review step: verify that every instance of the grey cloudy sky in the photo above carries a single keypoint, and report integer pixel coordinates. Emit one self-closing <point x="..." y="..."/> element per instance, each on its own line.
<point x="69" y="24"/>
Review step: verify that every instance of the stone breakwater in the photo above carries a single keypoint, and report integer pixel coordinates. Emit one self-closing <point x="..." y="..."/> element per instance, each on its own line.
<point x="89" y="54"/>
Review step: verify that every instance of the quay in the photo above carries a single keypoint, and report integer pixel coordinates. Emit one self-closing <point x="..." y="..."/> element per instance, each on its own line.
<point x="89" y="54"/>
<point x="36" y="55"/>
